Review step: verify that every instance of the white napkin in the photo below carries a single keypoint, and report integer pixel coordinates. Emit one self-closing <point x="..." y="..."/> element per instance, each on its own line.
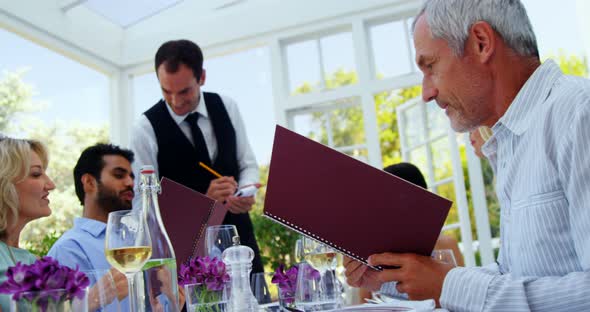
<point x="419" y="306"/>
<point x="415" y="306"/>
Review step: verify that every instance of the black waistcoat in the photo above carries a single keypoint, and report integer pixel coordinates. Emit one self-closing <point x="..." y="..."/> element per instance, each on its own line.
<point x="177" y="159"/>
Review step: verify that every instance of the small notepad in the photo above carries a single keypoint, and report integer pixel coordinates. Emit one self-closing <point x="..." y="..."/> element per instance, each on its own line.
<point x="351" y="206"/>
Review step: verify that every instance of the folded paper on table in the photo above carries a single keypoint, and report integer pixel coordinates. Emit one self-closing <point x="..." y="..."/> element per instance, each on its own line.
<point x="393" y="306"/>
<point x="347" y="204"/>
<point x="375" y="308"/>
<point x="186" y="214"/>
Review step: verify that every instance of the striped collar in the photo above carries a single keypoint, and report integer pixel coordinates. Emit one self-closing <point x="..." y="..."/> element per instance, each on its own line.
<point x="519" y="115"/>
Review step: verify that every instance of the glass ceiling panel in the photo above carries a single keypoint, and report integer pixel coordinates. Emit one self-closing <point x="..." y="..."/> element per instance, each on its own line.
<point x="128" y="12"/>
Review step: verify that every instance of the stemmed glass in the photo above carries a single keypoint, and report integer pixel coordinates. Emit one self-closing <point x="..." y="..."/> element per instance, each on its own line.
<point x="102" y="292"/>
<point x="265" y="292"/>
<point x="323" y="258"/>
<point x="308" y="292"/>
<point x="320" y="256"/>
<point x="298" y="253"/>
<point x="128" y="247"/>
<point x="219" y="238"/>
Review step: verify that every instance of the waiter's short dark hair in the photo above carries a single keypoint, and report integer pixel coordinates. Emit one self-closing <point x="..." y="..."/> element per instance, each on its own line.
<point x="176" y="52"/>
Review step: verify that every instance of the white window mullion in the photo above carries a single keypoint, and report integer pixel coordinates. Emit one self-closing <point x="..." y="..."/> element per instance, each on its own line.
<point x="363" y="61"/>
<point x="480" y="206"/>
<point x="328" y="125"/>
<point x="321" y="67"/>
<point x="461" y="200"/>
<point x="121" y="110"/>
<point x="425" y="127"/>
<point x="280" y="82"/>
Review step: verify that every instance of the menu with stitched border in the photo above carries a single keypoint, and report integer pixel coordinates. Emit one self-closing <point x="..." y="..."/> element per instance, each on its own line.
<point x="355" y="208"/>
<point x="186" y="214"/>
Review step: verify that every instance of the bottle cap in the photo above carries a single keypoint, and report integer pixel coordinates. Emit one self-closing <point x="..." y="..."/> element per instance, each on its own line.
<point x="147" y="169"/>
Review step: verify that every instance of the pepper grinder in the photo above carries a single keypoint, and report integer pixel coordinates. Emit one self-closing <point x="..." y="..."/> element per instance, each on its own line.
<point x="238" y="259"/>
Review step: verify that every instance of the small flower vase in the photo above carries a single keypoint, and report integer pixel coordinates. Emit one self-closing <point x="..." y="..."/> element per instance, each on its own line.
<point x="49" y="301"/>
<point x="200" y="299"/>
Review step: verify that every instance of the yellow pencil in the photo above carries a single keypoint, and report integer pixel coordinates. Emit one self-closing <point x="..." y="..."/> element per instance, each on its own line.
<point x="215" y="173"/>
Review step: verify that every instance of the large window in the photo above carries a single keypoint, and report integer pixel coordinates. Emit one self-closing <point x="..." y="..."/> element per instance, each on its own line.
<point x="338" y="124"/>
<point x="392" y="49"/>
<point x="64" y="104"/>
<point x="244" y="76"/>
<point x="146" y="92"/>
<point x="322" y="63"/>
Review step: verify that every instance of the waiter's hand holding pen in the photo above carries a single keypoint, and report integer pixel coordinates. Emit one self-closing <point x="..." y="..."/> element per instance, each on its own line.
<point x="223" y="189"/>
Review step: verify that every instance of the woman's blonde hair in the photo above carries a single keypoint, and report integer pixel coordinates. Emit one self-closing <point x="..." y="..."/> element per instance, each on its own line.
<point x="15" y="164"/>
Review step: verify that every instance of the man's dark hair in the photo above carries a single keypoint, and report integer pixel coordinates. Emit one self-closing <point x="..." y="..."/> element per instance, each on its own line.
<point x="176" y="52"/>
<point x="407" y="172"/>
<point x="91" y="161"/>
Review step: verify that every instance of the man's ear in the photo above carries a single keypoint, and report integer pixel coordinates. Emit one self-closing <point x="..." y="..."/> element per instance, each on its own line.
<point x="482" y="41"/>
<point x="89" y="183"/>
<point x="203" y="78"/>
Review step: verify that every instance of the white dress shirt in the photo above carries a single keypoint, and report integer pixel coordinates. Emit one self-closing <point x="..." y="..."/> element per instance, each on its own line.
<point x="541" y="157"/>
<point x="145" y="146"/>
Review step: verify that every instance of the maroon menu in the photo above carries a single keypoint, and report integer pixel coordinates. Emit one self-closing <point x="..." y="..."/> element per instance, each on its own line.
<point x="355" y="208"/>
<point x="186" y="214"/>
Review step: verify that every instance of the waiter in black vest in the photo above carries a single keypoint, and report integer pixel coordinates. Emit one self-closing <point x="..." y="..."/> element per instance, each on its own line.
<point x="190" y="126"/>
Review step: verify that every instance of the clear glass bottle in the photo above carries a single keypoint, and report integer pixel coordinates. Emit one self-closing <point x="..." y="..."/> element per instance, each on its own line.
<point x="238" y="259"/>
<point x="160" y="279"/>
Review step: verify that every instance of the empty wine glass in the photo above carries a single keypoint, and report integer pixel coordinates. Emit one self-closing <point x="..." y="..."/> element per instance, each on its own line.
<point x="444" y="256"/>
<point x="265" y="292"/>
<point x="128" y="247"/>
<point x="308" y="290"/>
<point x="218" y="238"/>
<point x="102" y="292"/>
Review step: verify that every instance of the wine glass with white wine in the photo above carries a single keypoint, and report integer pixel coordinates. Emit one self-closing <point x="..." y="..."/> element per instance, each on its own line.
<point x="323" y="258"/>
<point x="128" y="247"/>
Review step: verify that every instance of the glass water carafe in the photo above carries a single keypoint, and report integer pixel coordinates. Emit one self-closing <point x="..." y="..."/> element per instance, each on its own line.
<point x="160" y="281"/>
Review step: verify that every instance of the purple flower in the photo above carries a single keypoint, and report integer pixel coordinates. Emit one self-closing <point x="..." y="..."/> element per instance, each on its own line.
<point x="210" y="272"/>
<point x="312" y="274"/>
<point x="38" y="281"/>
<point x="287" y="280"/>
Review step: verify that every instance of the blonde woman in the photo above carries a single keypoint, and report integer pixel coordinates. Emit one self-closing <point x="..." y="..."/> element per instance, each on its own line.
<point x="24" y="188"/>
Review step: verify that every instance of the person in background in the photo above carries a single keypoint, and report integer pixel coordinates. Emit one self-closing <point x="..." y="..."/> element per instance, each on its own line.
<point x="24" y="191"/>
<point x="189" y="126"/>
<point x="481" y="65"/>
<point x="104" y="183"/>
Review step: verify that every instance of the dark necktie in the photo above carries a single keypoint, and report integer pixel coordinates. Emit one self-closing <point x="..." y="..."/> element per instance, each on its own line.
<point x="198" y="139"/>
